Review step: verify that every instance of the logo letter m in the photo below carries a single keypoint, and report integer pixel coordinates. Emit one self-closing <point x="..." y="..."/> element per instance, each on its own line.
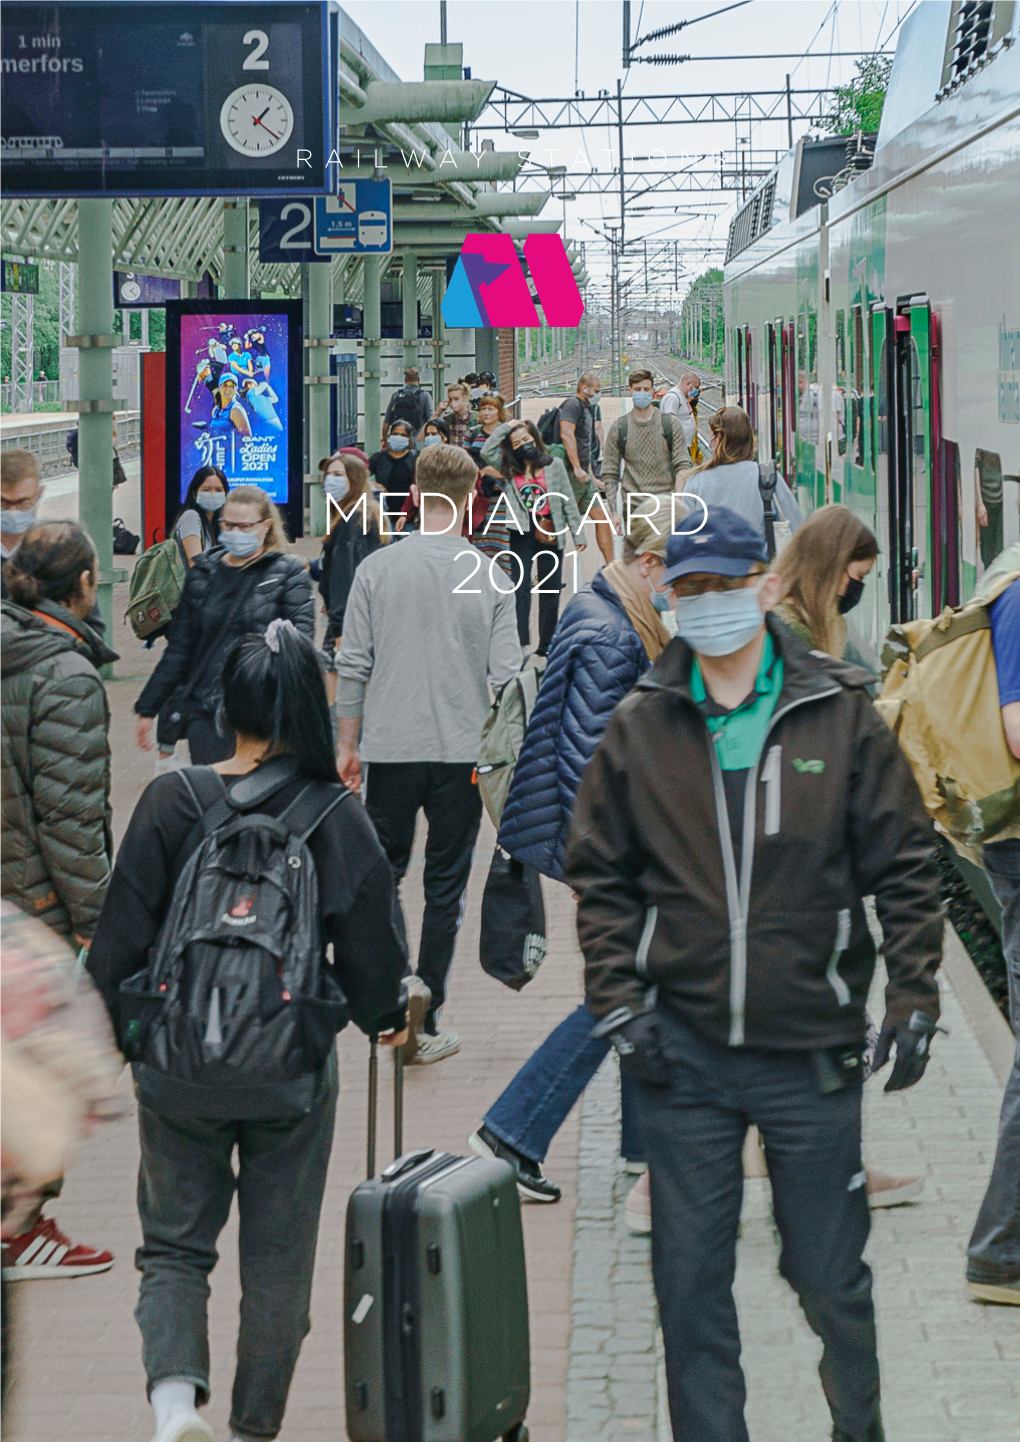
<point x="488" y="288"/>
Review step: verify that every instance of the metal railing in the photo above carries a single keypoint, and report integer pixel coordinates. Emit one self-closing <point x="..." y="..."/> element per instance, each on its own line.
<point x="49" y="442"/>
<point x="43" y="393"/>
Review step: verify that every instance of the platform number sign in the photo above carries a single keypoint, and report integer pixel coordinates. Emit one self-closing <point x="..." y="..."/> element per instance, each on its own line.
<point x="287" y="232"/>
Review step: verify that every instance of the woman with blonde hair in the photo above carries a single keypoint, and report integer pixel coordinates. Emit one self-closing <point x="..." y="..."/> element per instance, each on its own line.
<point x="730" y="475"/>
<point x="247" y="580"/>
<point x="822" y="574"/>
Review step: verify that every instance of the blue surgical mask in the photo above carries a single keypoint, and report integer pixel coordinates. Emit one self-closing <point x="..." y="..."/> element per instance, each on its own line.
<point x="398" y="443"/>
<point x="642" y="400"/>
<point x="336" y="487"/>
<point x="719" y="622"/>
<point x="16" y="523"/>
<point x="210" y="500"/>
<point x="433" y="440"/>
<point x="695" y="393"/>
<point x="660" y="601"/>
<point x="241" y="543"/>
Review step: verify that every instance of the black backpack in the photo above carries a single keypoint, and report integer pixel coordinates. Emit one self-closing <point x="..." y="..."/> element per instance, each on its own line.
<point x="409" y="406"/>
<point x="548" y="426"/>
<point x="236" y="1013"/>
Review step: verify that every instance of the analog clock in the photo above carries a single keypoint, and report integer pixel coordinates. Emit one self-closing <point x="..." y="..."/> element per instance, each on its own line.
<point x="256" y="119"/>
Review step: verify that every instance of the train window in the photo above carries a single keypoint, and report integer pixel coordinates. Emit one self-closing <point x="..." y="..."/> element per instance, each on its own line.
<point x="839" y="391"/>
<point x="812" y="365"/>
<point x="739" y="350"/>
<point x="859" y="371"/>
<point x="988" y="497"/>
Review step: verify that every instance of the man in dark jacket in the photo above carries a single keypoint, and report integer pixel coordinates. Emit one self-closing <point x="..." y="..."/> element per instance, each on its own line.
<point x="743" y="801"/>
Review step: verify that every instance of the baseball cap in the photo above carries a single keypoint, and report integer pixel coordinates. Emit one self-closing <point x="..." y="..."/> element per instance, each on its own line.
<point x="715" y="540"/>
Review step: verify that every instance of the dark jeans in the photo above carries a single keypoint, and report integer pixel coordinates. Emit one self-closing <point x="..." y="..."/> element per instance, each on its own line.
<point x="549" y="579"/>
<point x="694" y="1132"/>
<point x="205" y="743"/>
<point x="535" y="1105"/>
<point x="396" y="791"/>
<point x="994" y="1250"/>
<point x="185" y="1186"/>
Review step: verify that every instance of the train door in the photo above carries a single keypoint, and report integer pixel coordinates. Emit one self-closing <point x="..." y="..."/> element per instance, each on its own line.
<point x="750" y="376"/>
<point x="739" y="338"/>
<point x="904" y="445"/>
<point x="789" y="405"/>
<point x="772" y="347"/>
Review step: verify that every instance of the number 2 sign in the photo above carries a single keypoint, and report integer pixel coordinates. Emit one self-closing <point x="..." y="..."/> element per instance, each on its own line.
<point x="287" y="232"/>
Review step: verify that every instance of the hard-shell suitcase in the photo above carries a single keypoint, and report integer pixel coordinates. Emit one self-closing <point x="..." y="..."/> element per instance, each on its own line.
<point x="436" y="1342"/>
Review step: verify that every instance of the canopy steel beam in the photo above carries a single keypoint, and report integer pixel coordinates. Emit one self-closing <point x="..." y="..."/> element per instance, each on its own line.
<point x="508" y="111"/>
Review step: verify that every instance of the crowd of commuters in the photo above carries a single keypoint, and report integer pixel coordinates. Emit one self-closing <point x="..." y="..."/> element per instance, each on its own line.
<point x="703" y="767"/>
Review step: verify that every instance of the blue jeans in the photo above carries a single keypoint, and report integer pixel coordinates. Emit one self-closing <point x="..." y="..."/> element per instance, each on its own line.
<point x="535" y="1105"/>
<point x="994" y="1250"/>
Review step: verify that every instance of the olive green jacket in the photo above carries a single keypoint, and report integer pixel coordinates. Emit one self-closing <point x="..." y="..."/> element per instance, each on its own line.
<point x="55" y="832"/>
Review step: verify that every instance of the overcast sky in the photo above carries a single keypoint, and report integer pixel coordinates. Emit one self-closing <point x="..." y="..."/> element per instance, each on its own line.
<point x="538" y="47"/>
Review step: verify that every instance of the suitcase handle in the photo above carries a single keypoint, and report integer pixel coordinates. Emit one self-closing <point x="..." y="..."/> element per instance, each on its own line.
<point x="400" y="1165"/>
<point x="373" y="1103"/>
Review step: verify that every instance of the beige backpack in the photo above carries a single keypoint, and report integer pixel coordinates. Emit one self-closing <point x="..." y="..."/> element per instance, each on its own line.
<point x="940" y="697"/>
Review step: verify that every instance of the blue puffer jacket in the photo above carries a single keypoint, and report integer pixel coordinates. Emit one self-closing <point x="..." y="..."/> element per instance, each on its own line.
<point x="596" y="657"/>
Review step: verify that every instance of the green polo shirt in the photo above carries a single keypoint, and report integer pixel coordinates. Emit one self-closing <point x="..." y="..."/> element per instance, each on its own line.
<point x="739" y="734"/>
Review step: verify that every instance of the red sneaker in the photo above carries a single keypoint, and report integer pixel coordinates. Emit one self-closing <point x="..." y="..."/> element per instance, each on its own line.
<point x="46" y="1252"/>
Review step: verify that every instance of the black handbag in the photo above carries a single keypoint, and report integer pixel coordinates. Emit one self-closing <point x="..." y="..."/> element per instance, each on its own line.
<point x="125" y="542"/>
<point x="512" y="943"/>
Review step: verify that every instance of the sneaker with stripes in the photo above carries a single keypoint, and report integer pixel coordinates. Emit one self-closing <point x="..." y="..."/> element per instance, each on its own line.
<point x="46" y="1252"/>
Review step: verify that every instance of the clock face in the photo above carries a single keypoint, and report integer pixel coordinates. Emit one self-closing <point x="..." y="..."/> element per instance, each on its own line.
<point x="130" y="290"/>
<point x="256" y="119"/>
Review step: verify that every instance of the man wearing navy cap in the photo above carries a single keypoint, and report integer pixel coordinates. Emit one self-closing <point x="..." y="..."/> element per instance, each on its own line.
<point x="743" y="801"/>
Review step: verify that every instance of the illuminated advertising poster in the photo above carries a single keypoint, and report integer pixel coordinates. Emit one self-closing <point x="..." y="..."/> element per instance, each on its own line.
<point x="234" y="378"/>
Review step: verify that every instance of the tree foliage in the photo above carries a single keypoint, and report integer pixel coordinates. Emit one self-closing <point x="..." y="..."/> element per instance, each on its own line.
<point x="858" y="105"/>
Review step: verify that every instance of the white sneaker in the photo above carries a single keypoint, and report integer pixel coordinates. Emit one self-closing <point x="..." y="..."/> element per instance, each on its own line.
<point x="884" y="1190"/>
<point x="635" y="1169"/>
<point x="638" y="1210"/>
<point x="183" y="1424"/>
<point x="435" y="1048"/>
<point x="419" y="999"/>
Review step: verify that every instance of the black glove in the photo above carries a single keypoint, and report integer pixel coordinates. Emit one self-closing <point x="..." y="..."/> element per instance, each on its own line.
<point x="913" y="1048"/>
<point x="638" y="1043"/>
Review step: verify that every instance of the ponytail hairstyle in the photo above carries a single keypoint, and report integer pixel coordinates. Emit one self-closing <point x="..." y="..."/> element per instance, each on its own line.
<point x="48" y="564"/>
<point x="273" y="690"/>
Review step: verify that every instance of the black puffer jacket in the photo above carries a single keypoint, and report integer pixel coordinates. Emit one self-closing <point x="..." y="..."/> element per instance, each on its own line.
<point x="218" y="606"/>
<point x="348" y="544"/>
<point x="56" y="837"/>
<point x="780" y="956"/>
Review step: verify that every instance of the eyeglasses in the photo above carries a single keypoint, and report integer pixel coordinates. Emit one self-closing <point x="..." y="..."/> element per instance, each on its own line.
<point x="687" y="586"/>
<point x="240" y="525"/>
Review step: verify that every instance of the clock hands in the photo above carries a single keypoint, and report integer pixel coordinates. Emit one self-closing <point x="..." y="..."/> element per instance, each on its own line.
<point x="257" y="120"/>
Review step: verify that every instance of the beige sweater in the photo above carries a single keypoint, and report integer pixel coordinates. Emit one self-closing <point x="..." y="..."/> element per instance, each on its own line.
<point x="648" y="464"/>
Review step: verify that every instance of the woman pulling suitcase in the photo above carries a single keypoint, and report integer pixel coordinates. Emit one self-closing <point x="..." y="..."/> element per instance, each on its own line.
<point x="221" y="1065"/>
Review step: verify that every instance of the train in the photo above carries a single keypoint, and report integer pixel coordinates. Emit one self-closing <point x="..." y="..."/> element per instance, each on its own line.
<point x="871" y="300"/>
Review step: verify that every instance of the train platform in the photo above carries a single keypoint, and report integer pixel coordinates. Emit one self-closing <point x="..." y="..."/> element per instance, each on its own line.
<point x="951" y="1367"/>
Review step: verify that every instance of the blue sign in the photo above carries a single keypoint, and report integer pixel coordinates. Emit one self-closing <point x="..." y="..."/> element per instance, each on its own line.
<point x="358" y="220"/>
<point x="287" y="233"/>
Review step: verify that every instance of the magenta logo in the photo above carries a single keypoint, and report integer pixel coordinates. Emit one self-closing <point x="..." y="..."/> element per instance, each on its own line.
<point x="488" y="286"/>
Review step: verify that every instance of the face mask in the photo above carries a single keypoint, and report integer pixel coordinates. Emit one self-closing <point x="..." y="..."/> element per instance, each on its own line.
<point x="16" y="523"/>
<point x="398" y="443"/>
<point x="210" y="500"/>
<point x="475" y="392"/>
<point x="241" y="543"/>
<point x="850" y="597"/>
<point x="642" y="400"/>
<point x="660" y="601"/>
<point x="433" y="440"/>
<point x="524" y="453"/>
<point x="336" y="487"/>
<point x="719" y="622"/>
<point x="695" y="393"/>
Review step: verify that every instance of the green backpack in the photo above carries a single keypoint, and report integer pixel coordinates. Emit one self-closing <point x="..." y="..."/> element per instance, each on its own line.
<point x="502" y="736"/>
<point x="156" y="585"/>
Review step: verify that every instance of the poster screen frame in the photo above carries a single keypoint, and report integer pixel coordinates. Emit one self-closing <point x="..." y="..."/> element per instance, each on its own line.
<point x="293" y="512"/>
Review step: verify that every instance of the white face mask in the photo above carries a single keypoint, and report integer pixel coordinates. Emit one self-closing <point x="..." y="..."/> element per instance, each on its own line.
<point x="399" y="443"/>
<point x="16" y="523"/>
<point x="241" y="543"/>
<point x="336" y="487"/>
<point x="211" y="500"/>
<point x="718" y="623"/>
<point x="642" y="400"/>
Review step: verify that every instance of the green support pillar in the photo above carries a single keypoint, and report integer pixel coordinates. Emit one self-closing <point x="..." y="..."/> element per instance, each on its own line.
<point x="95" y="389"/>
<point x="318" y="329"/>
<point x="373" y="353"/>
<point x="409" y="295"/>
<point x="438" y="338"/>
<point x="235" y="249"/>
